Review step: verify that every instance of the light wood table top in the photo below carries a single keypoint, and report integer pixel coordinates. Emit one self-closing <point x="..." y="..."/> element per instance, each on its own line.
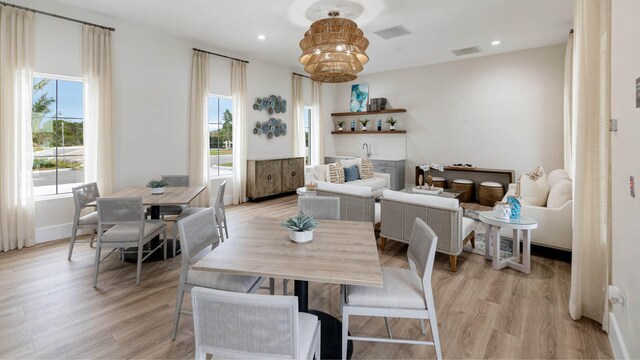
<point x="173" y="195"/>
<point x="342" y="252"/>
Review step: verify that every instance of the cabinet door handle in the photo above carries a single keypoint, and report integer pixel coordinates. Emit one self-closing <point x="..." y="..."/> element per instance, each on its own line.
<point x="293" y="173"/>
<point x="269" y="177"/>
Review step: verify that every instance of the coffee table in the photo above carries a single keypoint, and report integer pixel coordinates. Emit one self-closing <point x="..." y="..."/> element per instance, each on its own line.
<point x="520" y="226"/>
<point x="447" y="193"/>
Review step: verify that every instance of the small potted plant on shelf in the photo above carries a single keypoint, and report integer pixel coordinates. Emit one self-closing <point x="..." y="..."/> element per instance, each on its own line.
<point x="340" y="123"/>
<point x="157" y="186"/>
<point x="392" y="123"/>
<point x="364" y="124"/>
<point x="300" y="228"/>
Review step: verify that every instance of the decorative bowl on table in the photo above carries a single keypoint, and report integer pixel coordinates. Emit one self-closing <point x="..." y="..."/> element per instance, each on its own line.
<point x="502" y="211"/>
<point x="300" y="228"/>
<point x="428" y="190"/>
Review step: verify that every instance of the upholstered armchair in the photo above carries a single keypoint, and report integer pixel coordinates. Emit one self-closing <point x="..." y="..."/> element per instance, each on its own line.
<point x="357" y="203"/>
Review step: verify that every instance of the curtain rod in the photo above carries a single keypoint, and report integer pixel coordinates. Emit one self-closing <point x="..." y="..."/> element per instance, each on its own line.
<point x="56" y="16"/>
<point x="301" y="75"/>
<point x="224" y="56"/>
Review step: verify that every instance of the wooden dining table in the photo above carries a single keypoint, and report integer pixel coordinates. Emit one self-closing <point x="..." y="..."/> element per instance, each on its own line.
<point x="341" y="252"/>
<point x="173" y="195"/>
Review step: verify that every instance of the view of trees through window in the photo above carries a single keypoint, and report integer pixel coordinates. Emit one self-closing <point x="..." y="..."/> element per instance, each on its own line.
<point x="58" y="144"/>
<point x="220" y="135"/>
<point x="307" y="135"/>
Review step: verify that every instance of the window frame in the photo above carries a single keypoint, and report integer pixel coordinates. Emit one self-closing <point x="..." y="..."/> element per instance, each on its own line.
<point x="76" y="79"/>
<point x="226" y="97"/>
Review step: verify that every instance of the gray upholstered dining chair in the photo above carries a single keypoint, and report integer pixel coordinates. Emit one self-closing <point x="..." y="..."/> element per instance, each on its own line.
<point x="197" y="233"/>
<point x="235" y="325"/>
<point x="406" y="293"/>
<point x="320" y="207"/>
<point x="82" y="195"/>
<point x="174" y="181"/>
<point x="122" y="225"/>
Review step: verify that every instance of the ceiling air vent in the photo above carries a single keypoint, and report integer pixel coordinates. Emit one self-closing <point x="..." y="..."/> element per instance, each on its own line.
<point x="392" y="32"/>
<point x="466" y="51"/>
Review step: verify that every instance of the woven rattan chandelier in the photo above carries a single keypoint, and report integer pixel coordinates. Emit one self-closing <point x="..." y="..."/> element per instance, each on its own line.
<point x="333" y="49"/>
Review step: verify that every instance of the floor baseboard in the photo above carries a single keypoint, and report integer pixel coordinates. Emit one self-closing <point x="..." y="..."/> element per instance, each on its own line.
<point x="615" y="339"/>
<point x="56" y="232"/>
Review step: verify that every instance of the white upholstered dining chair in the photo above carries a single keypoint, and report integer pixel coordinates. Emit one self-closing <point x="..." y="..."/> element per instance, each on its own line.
<point x="199" y="236"/>
<point x="235" y="325"/>
<point x="406" y="293"/>
<point x="122" y="225"/>
<point x="82" y="195"/>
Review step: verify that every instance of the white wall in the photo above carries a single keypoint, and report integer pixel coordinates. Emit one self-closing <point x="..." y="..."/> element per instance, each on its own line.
<point x="625" y="68"/>
<point x="502" y="111"/>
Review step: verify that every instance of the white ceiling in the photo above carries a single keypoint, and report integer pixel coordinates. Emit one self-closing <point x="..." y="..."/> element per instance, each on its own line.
<point x="437" y="26"/>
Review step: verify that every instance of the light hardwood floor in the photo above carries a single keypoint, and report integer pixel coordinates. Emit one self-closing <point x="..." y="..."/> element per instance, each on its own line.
<point x="48" y="308"/>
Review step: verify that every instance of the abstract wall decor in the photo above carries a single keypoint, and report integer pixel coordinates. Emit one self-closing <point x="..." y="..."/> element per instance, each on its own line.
<point x="359" y="97"/>
<point x="272" y="104"/>
<point x="271" y="128"/>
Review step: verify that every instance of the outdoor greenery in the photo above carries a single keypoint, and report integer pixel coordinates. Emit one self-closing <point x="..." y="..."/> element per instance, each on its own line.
<point x="222" y="138"/>
<point x="50" y="163"/>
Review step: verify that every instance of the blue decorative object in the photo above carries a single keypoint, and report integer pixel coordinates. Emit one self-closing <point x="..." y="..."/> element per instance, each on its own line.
<point x="359" y="97"/>
<point x="514" y="204"/>
<point x="379" y="124"/>
<point x="351" y="173"/>
<point x="353" y="125"/>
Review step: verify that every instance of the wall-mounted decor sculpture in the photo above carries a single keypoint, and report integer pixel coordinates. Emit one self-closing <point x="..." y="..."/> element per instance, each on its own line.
<point x="270" y="128"/>
<point x="272" y="104"/>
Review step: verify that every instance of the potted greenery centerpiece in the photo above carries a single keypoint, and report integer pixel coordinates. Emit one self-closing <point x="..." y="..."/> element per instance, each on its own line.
<point x="157" y="186"/>
<point x="340" y="123"/>
<point x="392" y="123"/>
<point x="364" y="124"/>
<point x="300" y="227"/>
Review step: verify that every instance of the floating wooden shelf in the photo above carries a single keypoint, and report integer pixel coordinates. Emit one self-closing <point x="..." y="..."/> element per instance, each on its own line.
<point x="369" y="132"/>
<point x="386" y="111"/>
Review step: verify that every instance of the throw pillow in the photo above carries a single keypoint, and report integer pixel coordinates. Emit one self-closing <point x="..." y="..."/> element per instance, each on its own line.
<point x="533" y="192"/>
<point x="320" y="172"/>
<point x="366" y="170"/>
<point x="536" y="173"/>
<point x="351" y="173"/>
<point x="336" y="173"/>
<point x="557" y="175"/>
<point x="560" y="193"/>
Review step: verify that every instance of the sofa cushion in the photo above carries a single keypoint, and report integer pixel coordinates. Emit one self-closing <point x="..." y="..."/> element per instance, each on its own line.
<point x="320" y="172"/>
<point x="350" y="162"/>
<point x="375" y="183"/>
<point x="351" y="173"/>
<point x="366" y="169"/>
<point x="468" y="225"/>
<point x="557" y="175"/>
<point x="534" y="192"/>
<point x="422" y="200"/>
<point x="336" y="173"/>
<point x="347" y="189"/>
<point x="560" y="193"/>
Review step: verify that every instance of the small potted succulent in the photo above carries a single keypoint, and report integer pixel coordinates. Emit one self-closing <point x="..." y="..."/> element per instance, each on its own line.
<point x="364" y="124"/>
<point x="392" y="123"/>
<point x="340" y="123"/>
<point x="300" y="228"/>
<point x="157" y="186"/>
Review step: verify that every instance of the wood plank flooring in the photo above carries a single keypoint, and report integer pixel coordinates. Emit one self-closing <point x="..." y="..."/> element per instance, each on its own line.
<point x="48" y="308"/>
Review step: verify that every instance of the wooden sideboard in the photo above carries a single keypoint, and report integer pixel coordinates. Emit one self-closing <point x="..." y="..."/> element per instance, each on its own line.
<point x="477" y="175"/>
<point x="267" y="177"/>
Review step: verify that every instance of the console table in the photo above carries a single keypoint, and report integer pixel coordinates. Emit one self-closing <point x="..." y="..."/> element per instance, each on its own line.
<point x="475" y="174"/>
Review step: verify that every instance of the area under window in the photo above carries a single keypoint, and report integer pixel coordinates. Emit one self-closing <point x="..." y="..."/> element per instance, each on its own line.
<point x="307" y="134"/>
<point x="58" y="145"/>
<point x="220" y="135"/>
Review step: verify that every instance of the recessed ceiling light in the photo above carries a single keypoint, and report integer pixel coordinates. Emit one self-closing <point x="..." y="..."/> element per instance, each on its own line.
<point x="261" y="37"/>
<point x="495" y="42"/>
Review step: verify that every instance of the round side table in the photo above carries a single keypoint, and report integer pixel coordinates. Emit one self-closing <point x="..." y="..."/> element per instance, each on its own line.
<point x="303" y="191"/>
<point x="522" y="226"/>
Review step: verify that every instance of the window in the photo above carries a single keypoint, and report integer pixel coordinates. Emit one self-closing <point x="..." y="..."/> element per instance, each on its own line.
<point x="58" y="147"/>
<point x="307" y="134"/>
<point x="220" y="135"/>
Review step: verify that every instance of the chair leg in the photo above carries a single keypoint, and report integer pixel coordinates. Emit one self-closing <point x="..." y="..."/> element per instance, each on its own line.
<point x="95" y="275"/>
<point x="319" y="341"/>
<point x="345" y="332"/>
<point x="176" y="315"/>
<point x="386" y="323"/>
<point x="200" y="355"/>
<point x="272" y="286"/>
<point x="226" y="230"/>
<point x="285" y="282"/>
<point x="434" y="323"/>
<point x="473" y="239"/>
<point x="139" y="269"/>
<point x="383" y="243"/>
<point x="164" y="239"/>
<point x="453" y="261"/>
<point x="423" y="327"/>
<point x="93" y="237"/>
<point x="74" y="230"/>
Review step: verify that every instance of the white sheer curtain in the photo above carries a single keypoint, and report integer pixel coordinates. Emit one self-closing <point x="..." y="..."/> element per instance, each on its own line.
<point x="297" y="116"/>
<point x="198" y="127"/>
<point x="317" y="128"/>
<point x="17" y="206"/>
<point x="239" y="95"/>
<point x="592" y="197"/>
<point x="568" y="107"/>
<point x="98" y="119"/>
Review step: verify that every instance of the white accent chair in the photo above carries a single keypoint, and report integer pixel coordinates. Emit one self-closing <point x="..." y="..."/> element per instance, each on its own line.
<point x="82" y="195"/>
<point x="197" y="233"/>
<point x="121" y="225"/>
<point x="406" y="293"/>
<point x="443" y="215"/>
<point x="234" y="325"/>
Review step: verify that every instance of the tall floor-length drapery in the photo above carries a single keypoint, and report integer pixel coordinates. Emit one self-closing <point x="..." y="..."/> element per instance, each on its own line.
<point x="17" y="207"/>
<point x="98" y="109"/>
<point x="198" y="127"/>
<point x="317" y="128"/>
<point x="297" y="116"/>
<point x="239" y="95"/>
<point x="568" y="108"/>
<point x="592" y="201"/>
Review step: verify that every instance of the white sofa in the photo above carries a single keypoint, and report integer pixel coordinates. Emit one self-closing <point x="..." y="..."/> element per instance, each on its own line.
<point x="555" y="218"/>
<point x="443" y="215"/>
<point x="378" y="183"/>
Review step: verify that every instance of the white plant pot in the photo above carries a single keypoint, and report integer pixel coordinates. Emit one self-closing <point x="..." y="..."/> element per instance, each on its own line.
<point x="157" y="191"/>
<point x="340" y="128"/>
<point x="301" y="237"/>
<point x="392" y="127"/>
<point x="364" y="128"/>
